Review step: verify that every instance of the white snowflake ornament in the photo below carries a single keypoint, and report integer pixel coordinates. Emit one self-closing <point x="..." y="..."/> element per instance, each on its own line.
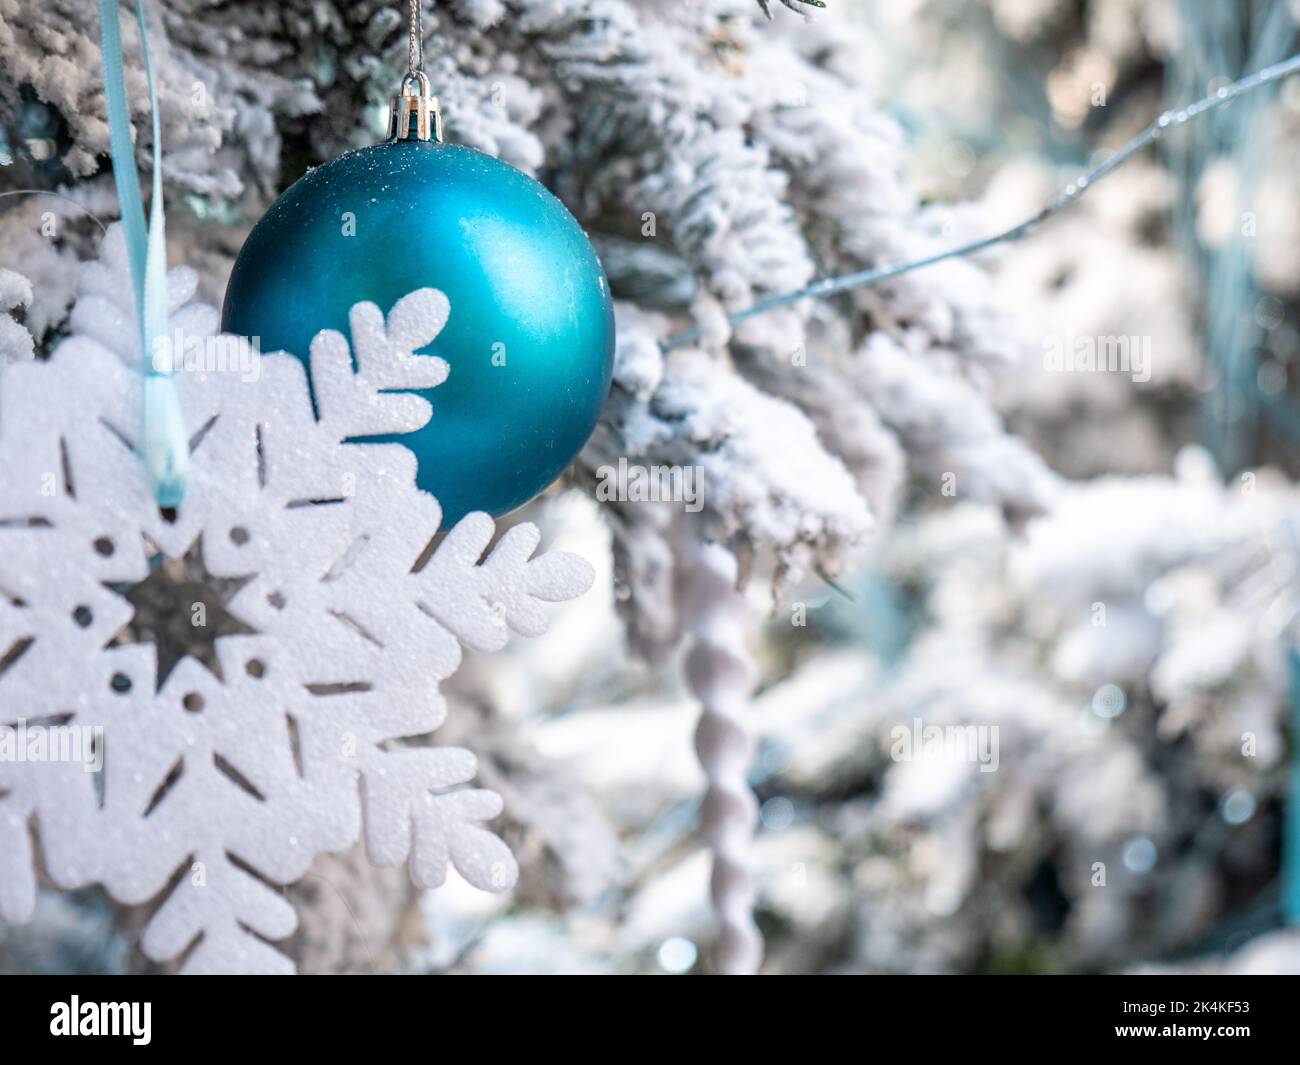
<point x="258" y="671"/>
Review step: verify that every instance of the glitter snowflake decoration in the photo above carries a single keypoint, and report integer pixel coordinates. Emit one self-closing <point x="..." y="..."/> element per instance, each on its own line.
<point x="286" y="702"/>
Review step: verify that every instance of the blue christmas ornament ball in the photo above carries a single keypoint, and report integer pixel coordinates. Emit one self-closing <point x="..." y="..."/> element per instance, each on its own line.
<point x="530" y="339"/>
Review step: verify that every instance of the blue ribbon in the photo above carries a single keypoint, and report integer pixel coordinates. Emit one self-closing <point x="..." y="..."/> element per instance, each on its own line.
<point x="166" y="447"/>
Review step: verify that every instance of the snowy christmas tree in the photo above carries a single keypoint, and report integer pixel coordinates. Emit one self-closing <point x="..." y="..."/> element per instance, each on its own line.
<point x="886" y="510"/>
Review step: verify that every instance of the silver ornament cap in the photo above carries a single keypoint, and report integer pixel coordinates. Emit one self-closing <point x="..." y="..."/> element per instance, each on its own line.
<point x="414" y="113"/>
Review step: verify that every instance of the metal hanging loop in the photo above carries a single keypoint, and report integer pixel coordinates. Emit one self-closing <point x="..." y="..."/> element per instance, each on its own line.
<point x="414" y="113"/>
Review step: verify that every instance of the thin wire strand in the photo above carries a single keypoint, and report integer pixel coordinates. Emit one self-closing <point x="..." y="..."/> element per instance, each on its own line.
<point x="415" y="45"/>
<point x="59" y="196"/>
<point x="1168" y="120"/>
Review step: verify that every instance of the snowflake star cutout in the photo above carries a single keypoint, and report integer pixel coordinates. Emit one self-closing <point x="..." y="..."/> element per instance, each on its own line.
<point x="222" y="779"/>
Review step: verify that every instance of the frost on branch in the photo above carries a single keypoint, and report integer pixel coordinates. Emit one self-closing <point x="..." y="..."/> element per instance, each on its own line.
<point x="1194" y="578"/>
<point x="16" y="343"/>
<point x="796" y="498"/>
<point x="293" y="709"/>
<point x="943" y="424"/>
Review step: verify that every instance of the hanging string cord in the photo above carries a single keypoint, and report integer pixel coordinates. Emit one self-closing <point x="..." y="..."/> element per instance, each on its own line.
<point x="831" y="286"/>
<point x="415" y="46"/>
<point x="165" y="445"/>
